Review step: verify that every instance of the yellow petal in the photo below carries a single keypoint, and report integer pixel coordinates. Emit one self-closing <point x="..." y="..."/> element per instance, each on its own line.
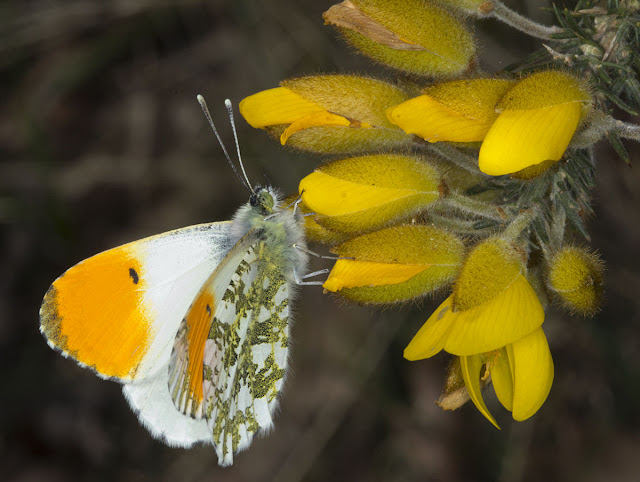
<point x="431" y="338"/>
<point x="514" y="313"/>
<point x="276" y="106"/>
<point x="533" y="373"/>
<point x="347" y="273"/>
<point x="427" y="118"/>
<point x="331" y="196"/>
<point x="364" y="193"/>
<point x="522" y="138"/>
<point x="319" y="119"/>
<point x="459" y="111"/>
<point x="312" y="230"/>
<point x="502" y="379"/>
<point x="471" y="366"/>
<point x="359" y="98"/>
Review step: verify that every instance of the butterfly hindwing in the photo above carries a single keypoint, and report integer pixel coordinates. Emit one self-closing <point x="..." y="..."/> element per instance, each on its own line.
<point x="234" y="374"/>
<point x="241" y="396"/>
<point x="118" y="311"/>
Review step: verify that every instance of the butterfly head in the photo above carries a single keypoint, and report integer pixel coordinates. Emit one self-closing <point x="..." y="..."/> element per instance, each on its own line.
<point x="264" y="200"/>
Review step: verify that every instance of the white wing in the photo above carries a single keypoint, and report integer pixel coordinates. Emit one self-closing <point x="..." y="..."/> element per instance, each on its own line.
<point x="150" y="398"/>
<point x="118" y="313"/>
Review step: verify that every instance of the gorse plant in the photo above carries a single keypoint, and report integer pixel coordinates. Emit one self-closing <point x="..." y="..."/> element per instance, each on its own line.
<point x="454" y="178"/>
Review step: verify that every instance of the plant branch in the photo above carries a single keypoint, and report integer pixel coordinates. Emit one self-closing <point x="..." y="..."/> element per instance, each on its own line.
<point x="473" y="207"/>
<point x="456" y="156"/>
<point x="519" y="224"/>
<point x="519" y="22"/>
<point x="599" y="125"/>
<point x="628" y="131"/>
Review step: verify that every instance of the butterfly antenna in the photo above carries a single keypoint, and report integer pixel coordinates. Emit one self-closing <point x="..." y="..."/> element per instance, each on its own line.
<point x="205" y="109"/>
<point x="227" y="104"/>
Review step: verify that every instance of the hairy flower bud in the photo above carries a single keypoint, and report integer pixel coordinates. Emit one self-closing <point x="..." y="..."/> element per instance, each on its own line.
<point x="575" y="276"/>
<point x="328" y="113"/>
<point x="537" y="120"/>
<point x="458" y="111"/>
<point x="364" y="193"/>
<point x="411" y="35"/>
<point x="492" y="305"/>
<point x="395" y="264"/>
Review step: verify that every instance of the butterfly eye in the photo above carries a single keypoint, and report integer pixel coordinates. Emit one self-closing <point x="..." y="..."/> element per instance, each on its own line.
<point x="263" y="200"/>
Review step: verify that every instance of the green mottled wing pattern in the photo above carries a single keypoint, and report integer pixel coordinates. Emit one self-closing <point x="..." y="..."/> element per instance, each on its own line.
<point x="245" y="355"/>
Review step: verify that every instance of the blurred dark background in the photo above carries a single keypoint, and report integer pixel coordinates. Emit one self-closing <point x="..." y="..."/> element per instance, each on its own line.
<point x="102" y="142"/>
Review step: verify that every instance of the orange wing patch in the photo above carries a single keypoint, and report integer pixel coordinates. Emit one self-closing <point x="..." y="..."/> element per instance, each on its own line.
<point x="96" y="313"/>
<point x="199" y="320"/>
<point x="187" y="370"/>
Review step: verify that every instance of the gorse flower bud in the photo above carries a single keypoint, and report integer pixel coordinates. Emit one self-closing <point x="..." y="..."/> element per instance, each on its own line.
<point x="411" y="35"/>
<point x="575" y="276"/>
<point x="328" y="113"/>
<point x="395" y="264"/>
<point x="459" y="111"/>
<point x="365" y="193"/>
<point x="537" y="120"/>
<point x="492" y="305"/>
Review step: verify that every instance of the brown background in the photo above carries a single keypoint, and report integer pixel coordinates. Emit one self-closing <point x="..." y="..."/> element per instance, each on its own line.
<point x="102" y="142"/>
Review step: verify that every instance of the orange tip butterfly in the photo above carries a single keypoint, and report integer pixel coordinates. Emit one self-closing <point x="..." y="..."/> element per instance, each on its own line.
<point x="194" y="323"/>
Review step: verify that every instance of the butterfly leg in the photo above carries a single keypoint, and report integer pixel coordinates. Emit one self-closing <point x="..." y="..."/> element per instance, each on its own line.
<point x="315" y="273"/>
<point x="297" y="202"/>
<point x="299" y="280"/>
<point x="313" y="253"/>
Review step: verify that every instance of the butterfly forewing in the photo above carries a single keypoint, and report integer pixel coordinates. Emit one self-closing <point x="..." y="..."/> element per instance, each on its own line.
<point x="119" y="310"/>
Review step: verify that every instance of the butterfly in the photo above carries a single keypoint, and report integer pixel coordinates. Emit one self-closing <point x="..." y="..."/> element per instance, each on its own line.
<point x="194" y="322"/>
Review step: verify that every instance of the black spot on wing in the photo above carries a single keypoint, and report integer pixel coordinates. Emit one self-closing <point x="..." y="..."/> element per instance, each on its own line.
<point x="134" y="276"/>
<point x="208" y="309"/>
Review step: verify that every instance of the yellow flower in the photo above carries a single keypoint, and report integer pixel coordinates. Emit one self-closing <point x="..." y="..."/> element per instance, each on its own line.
<point x="328" y="113"/>
<point x="395" y="264"/>
<point x="492" y="318"/>
<point x="537" y="120"/>
<point x="492" y="305"/>
<point x="521" y="372"/>
<point x="458" y="111"/>
<point x="364" y="193"/>
<point x="509" y="316"/>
